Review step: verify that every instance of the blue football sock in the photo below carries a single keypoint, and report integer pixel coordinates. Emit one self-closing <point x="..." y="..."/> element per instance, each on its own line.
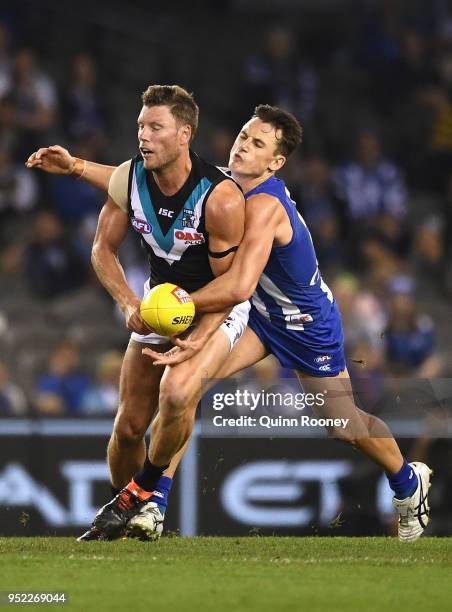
<point x="161" y="492"/>
<point x="404" y="482"/>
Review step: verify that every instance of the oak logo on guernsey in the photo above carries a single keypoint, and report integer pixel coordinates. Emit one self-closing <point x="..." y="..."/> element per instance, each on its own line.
<point x="189" y="237"/>
<point x="143" y="227"/>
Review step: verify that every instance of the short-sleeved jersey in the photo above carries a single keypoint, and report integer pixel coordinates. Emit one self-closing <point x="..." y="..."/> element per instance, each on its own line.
<point x="172" y="228"/>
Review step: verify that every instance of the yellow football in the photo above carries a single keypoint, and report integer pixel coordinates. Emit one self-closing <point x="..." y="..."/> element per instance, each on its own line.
<point x="168" y="309"/>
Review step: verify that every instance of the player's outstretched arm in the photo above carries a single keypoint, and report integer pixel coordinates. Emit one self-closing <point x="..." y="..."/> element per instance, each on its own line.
<point x="58" y="160"/>
<point x="238" y="283"/>
<point x="111" y="231"/>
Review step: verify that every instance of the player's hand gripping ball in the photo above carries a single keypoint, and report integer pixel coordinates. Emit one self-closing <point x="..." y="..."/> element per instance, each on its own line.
<point x="168" y="309"/>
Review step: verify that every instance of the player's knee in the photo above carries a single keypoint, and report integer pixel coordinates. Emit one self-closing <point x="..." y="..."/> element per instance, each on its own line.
<point x="129" y="430"/>
<point x="342" y="435"/>
<point x="175" y="399"/>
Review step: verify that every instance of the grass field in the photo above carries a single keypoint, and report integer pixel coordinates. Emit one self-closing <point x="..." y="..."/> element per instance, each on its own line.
<point x="255" y="573"/>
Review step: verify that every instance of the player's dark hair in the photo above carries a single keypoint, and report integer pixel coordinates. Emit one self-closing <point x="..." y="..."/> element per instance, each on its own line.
<point x="280" y="119"/>
<point x="181" y="103"/>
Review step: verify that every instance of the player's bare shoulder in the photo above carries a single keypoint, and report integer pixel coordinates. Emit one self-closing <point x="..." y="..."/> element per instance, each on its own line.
<point x="226" y="203"/>
<point x="264" y="210"/>
<point x="264" y="205"/>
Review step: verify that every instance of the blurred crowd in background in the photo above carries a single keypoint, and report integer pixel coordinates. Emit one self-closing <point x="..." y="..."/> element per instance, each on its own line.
<point x="371" y="85"/>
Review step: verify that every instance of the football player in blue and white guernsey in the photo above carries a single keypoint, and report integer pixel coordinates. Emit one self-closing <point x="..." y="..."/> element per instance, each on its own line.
<point x="293" y="313"/>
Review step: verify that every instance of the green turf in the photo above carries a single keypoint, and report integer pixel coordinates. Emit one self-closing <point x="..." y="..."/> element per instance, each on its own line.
<point x="255" y="573"/>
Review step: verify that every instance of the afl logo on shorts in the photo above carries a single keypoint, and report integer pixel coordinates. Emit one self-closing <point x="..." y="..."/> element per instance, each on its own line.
<point x="323" y="359"/>
<point x="143" y="227"/>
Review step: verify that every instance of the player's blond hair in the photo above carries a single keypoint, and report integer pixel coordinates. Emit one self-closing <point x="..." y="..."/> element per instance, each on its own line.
<point x="181" y="103"/>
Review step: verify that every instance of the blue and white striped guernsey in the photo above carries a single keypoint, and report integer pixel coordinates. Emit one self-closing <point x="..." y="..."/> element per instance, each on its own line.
<point x="291" y="294"/>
